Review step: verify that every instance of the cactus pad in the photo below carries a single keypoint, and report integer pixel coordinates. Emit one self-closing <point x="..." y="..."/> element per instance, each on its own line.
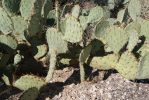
<point x="144" y="67"/>
<point x="116" y="38"/>
<point x="133" y="40"/>
<point x="8" y="43"/>
<point x="30" y="94"/>
<point x="75" y="11"/>
<point x="83" y="22"/>
<point x="101" y="29"/>
<point x="11" y="6"/>
<point x="104" y="62"/>
<point x="6" y="25"/>
<point x="55" y="41"/>
<point x="29" y="8"/>
<point x="73" y="31"/>
<point x="20" y="25"/>
<point x="95" y="14"/>
<point x="134" y="9"/>
<point x="28" y="81"/>
<point x="127" y="65"/>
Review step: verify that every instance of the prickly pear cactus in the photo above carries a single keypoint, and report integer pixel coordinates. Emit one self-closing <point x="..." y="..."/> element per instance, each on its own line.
<point x="76" y="11"/>
<point x="144" y="28"/>
<point x="11" y="6"/>
<point x="20" y="26"/>
<point x="83" y="22"/>
<point x="96" y="14"/>
<point x="46" y="7"/>
<point x="73" y="31"/>
<point x="134" y="8"/>
<point x="101" y="30"/>
<point x="143" y="67"/>
<point x="29" y="8"/>
<point x="104" y="62"/>
<point x="56" y="46"/>
<point x="127" y="66"/>
<point x="8" y="43"/>
<point x="34" y="26"/>
<point x="6" y="25"/>
<point x="28" y="81"/>
<point x="133" y="39"/>
<point x="55" y="41"/>
<point x="31" y="94"/>
<point x="39" y="47"/>
<point x="116" y="38"/>
<point x="85" y="53"/>
<point x="133" y="26"/>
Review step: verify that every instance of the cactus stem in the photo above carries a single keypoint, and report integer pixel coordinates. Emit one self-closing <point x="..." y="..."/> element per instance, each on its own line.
<point x="52" y="65"/>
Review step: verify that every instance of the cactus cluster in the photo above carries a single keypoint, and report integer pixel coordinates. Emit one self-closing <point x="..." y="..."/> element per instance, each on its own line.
<point x="93" y="36"/>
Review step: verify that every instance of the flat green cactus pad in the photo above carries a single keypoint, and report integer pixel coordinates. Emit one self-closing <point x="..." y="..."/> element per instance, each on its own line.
<point x="73" y="31"/>
<point x="8" y="43"/>
<point x="144" y="49"/>
<point x="39" y="47"/>
<point x="144" y="28"/>
<point x="75" y="11"/>
<point x="144" y="67"/>
<point x="6" y="25"/>
<point x="104" y="62"/>
<point x="95" y="14"/>
<point x="116" y="38"/>
<point x="29" y="8"/>
<point x="30" y="94"/>
<point x="101" y="30"/>
<point x="133" y="26"/>
<point x="11" y="6"/>
<point x="121" y="15"/>
<point x="55" y="41"/>
<point x="134" y="8"/>
<point x="83" y="22"/>
<point x="20" y="25"/>
<point x="28" y="81"/>
<point x="127" y="65"/>
<point x="133" y="39"/>
<point x="34" y="26"/>
<point x="85" y="53"/>
<point x="47" y="6"/>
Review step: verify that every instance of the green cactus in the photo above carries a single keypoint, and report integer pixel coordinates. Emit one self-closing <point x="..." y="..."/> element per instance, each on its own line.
<point x="144" y="28"/>
<point x="6" y="25"/>
<point x="83" y="22"/>
<point x="127" y="66"/>
<point x="121" y="15"/>
<point x="134" y="9"/>
<point x="20" y="26"/>
<point x="31" y="94"/>
<point x="73" y="31"/>
<point x="101" y="30"/>
<point x="46" y="7"/>
<point x="11" y="6"/>
<point x="76" y="11"/>
<point x="30" y="8"/>
<point x="116" y="38"/>
<point x="96" y="14"/>
<point x="34" y="26"/>
<point x="39" y="48"/>
<point x="29" y="81"/>
<point x="104" y="62"/>
<point x="56" y="46"/>
<point x="143" y="67"/>
<point x="133" y="26"/>
<point x="144" y="49"/>
<point x="8" y="43"/>
<point x="85" y="53"/>
<point x="133" y="40"/>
